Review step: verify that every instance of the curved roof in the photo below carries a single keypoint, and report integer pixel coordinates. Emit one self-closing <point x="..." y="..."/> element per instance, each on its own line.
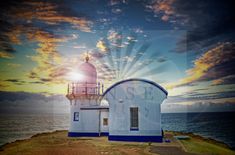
<point x="87" y="66"/>
<point x="135" y="79"/>
<point x="89" y="73"/>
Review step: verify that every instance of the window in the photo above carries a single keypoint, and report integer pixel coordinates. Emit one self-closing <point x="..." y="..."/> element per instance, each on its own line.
<point x="134" y="118"/>
<point x="105" y="121"/>
<point x="76" y="116"/>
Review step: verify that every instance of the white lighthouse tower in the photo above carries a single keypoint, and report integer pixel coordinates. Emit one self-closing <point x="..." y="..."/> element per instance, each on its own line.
<point x="85" y="110"/>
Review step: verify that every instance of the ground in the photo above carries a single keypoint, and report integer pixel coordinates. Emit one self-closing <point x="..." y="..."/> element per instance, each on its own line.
<point x="57" y="143"/>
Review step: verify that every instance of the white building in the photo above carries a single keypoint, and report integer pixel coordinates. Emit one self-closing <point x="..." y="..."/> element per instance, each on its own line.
<point x="129" y="110"/>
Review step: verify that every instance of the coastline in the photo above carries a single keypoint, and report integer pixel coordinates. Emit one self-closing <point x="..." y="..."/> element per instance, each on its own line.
<point x="42" y="143"/>
<point x="193" y="135"/>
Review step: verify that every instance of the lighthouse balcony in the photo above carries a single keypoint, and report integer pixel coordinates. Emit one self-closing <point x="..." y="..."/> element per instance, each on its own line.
<point x="84" y="91"/>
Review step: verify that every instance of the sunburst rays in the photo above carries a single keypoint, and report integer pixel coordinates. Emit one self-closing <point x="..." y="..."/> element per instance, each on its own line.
<point x="129" y="58"/>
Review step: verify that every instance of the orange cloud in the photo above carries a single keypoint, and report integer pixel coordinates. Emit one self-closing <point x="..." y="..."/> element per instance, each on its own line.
<point x="48" y="60"/>
<point x="215" y="65"/>
<point x="3" y="86"/>
<point x="18" y="19"/>
<point x="164" y="7"/>
<point x="5" y="55"/>
<point x="102" y="46"/>
<point x="49" y="13"/>
<point x="19" y="23"/>
<point x="14" y="35"/>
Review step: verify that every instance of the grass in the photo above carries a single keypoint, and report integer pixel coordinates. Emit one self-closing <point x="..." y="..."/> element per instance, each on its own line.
<point x="198" y="146"/>
<point x="57" y="143"/>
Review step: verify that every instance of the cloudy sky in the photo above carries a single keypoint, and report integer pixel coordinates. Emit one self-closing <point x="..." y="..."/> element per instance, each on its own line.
<point x="187" y="46"/>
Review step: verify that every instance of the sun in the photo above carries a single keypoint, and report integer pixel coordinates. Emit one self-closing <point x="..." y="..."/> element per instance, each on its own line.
<point x="75" y="76"/>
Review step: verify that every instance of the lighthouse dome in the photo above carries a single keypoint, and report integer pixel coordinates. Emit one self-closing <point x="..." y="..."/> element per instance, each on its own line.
<point x="88" y="71"/>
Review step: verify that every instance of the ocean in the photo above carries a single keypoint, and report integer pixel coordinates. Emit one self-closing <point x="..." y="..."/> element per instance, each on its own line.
<point x="218" y="126"/>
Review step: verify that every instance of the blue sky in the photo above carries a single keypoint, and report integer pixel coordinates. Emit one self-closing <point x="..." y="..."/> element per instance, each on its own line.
<point x="185" y="46"/>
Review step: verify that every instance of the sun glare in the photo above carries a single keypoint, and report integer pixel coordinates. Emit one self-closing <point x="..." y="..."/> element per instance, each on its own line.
<point x="75" y="76"/>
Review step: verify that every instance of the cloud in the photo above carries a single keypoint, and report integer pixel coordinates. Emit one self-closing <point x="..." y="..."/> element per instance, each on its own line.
<point x="201" y="99"/>
<point x="3" y="85"/>
<point x="192" y="96"/>
<point x="97" y="55"/>
<point x="116" y="10"/>
<point x="113" y="36"/>
<point x="47" y="58"/>
<point x="8" y="96"/>
<point x="117" y="2"/>
<point x="164" y="7"/>
<point x="105" y="72"/>
<point x="37" y="22"/>
<point x="101" y="45"/>
<point x="25" y="17"/>
<point x="224" y="80"/>
<point x="16" y="81"/>
<point x="206" y="22"/>
<point x="6" y="55"/>
<point x="115" y="39"/>
<point x="55" y="72"/>
<point x="31" y="103"/>
<point x="19" y="82"/>
<point x="131" y="39"/>
<point x="214" y="65"/>
<point x="59" y="72"/>
<point x="201" y="106"/>
<point x="49" y="13"/>
<point x="14" y="65"/>
<point x="161" y="59"/>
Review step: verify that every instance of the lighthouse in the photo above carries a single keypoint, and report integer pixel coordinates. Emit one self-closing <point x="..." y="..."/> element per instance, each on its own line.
<point x="84" y="96"/>
<point x="132" y="109"/>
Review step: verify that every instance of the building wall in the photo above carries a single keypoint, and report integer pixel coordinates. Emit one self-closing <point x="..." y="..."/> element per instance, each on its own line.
<point x="147" y="98"/>
<point x="88" y="119"/>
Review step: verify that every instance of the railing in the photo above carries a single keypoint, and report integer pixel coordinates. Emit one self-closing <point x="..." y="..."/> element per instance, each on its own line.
<point x="75" y="88"/>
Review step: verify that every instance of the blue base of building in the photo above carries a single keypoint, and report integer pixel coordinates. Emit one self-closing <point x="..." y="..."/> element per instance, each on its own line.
<point x="117" y="137"/>
<point x="87" y="134"/>
<point x="104" y="134"/>
<point x="135" y="138"/>
<point x="83" y="134"/>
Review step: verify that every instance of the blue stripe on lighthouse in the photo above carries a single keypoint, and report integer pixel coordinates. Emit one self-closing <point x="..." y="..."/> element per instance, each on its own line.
<point x="87" y="134"/>
<point x="83" y="134"/>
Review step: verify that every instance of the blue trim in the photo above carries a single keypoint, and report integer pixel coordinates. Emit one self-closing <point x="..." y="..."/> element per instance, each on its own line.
<point x="134" y="129"/>
<point x="98" y="108"/>
<point x="117" y="137"/>
<point x="87" y="134"/>
<point x="135" y="138"/>
<point x="83" y="134"/>
<point x="135" y="79"/>
<point x="104" y="134"/>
